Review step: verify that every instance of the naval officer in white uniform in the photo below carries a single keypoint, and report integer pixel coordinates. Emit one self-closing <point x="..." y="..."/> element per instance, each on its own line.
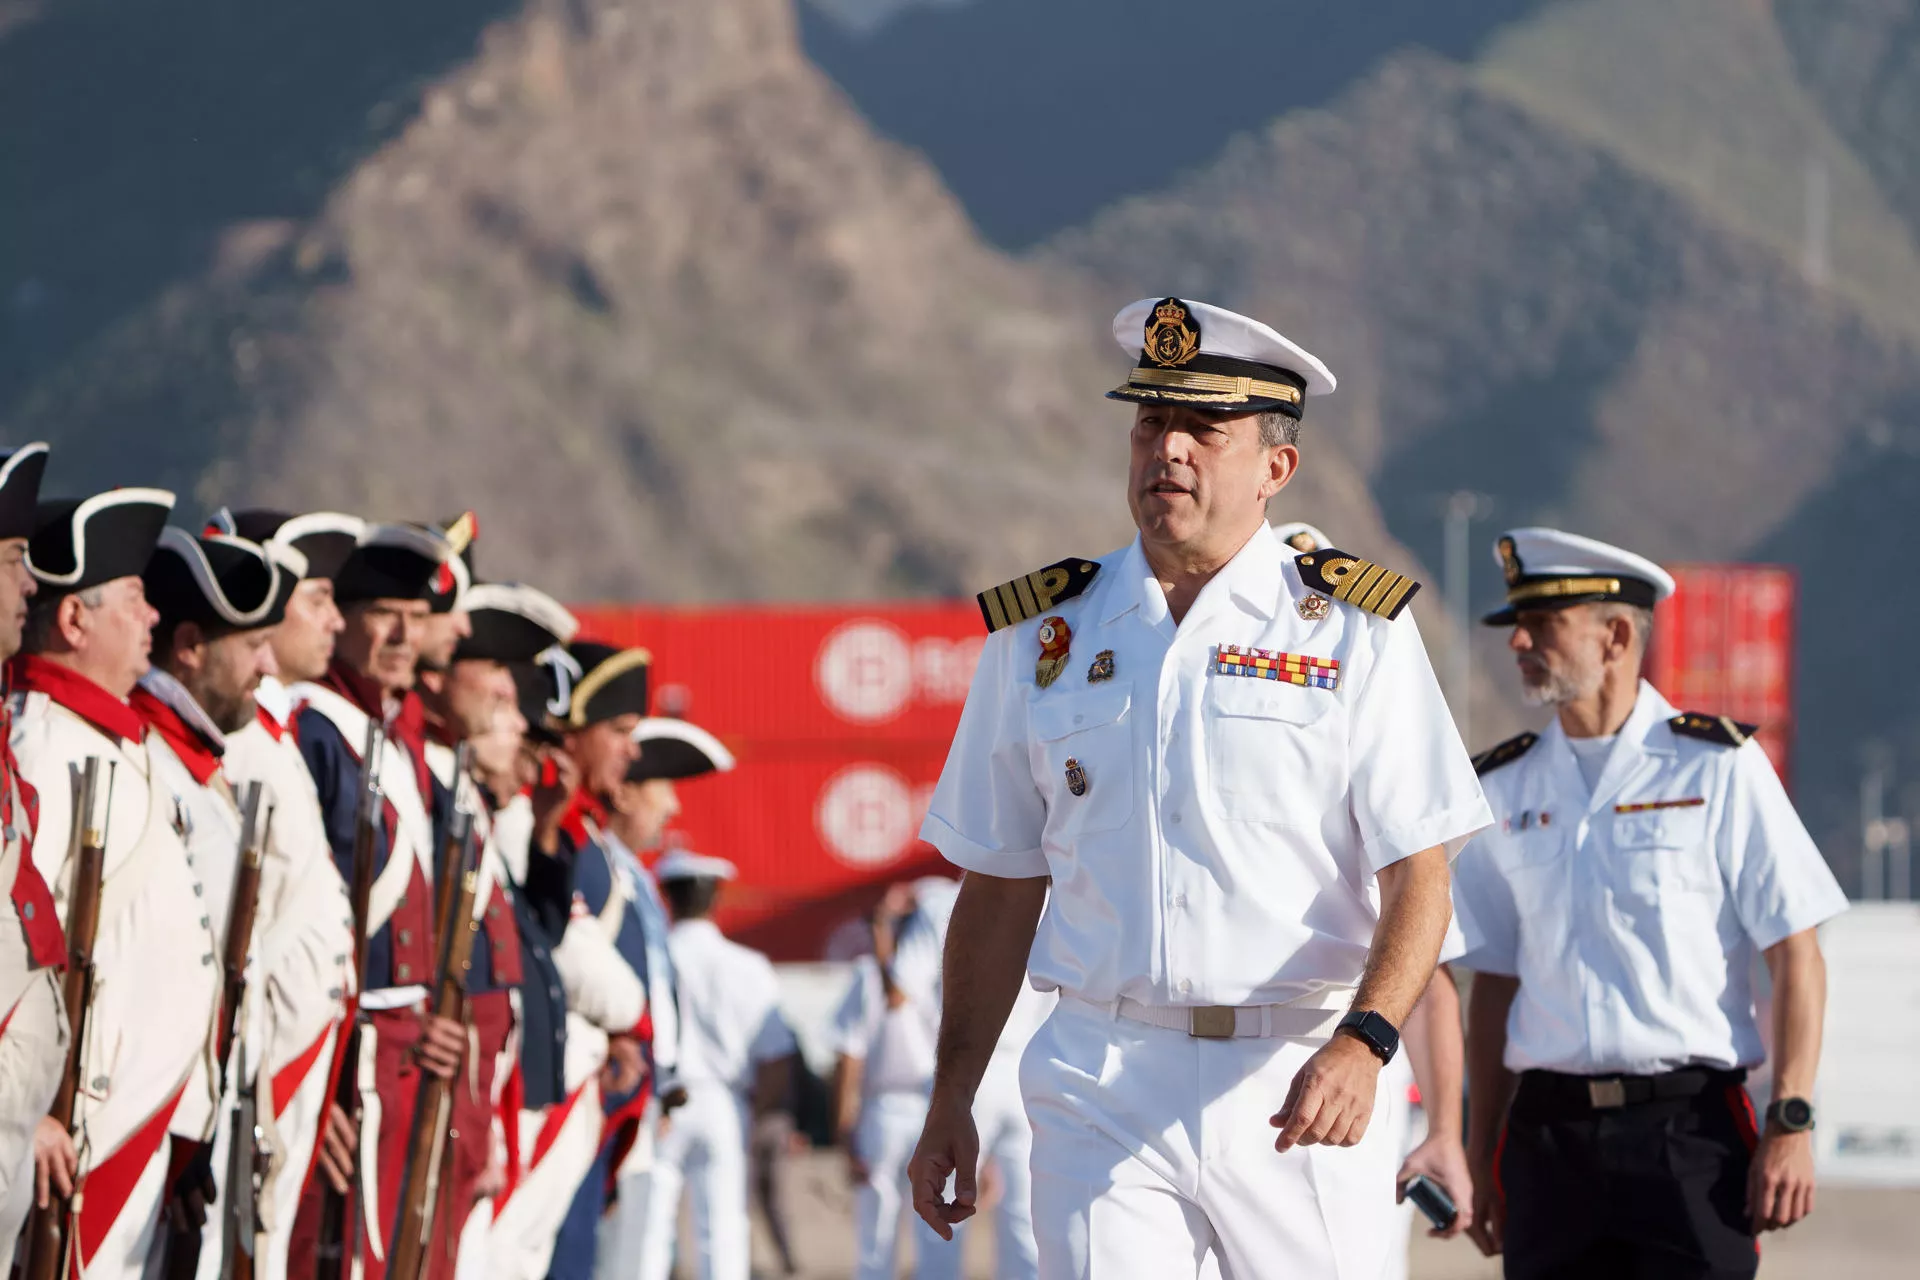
<point x="1235" y="765"/>
<point x="1644" y="857"/>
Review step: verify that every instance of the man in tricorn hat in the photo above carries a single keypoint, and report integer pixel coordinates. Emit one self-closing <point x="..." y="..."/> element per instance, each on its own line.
<point x="303" y="900"/>
<point x="1644" y="857"/>
<point x="382" y="590"/>
<point x="1233" y="764"/>
<point x="33" y="1027"/>
<point x="156" y="981"/>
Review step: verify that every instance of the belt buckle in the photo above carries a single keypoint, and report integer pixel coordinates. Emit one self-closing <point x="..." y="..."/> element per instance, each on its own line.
<point x="1604" y="1095"/>
<point x="1211" y="1022"/>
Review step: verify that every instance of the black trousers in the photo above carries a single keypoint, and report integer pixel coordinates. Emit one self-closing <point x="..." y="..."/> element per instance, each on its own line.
<point x="1649" y="1191"/>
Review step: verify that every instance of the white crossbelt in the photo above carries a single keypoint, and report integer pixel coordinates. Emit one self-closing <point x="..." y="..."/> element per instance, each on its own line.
<point x="1223" y="1022"/>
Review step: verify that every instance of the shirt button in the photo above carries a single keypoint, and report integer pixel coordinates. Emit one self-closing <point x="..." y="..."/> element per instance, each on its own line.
<point x="406" y="937"/>
<point x="1186" y="987"/>
<point x="197" y="891"/>
<point x="1176" y="819"/>
<point x="1180" y="900"/>
<point x="1079" y="719"/>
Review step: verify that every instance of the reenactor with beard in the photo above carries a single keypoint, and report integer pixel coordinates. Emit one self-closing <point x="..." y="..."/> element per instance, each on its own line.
<point x="218" y="600"/>
<point x="33" y="1024"/>
<point x="156" y="984"/>
<point x="308" y="939"/>
<point x="382" y="590"/>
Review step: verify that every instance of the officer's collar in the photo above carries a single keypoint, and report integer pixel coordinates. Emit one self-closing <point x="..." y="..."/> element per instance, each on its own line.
<point x="1254" y="577"/>
<point x="1645" y="728"/>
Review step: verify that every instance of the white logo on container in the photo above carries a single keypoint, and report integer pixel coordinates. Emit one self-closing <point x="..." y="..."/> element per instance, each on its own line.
<point x="867" y="815"/>
<point x="865" y="671"/>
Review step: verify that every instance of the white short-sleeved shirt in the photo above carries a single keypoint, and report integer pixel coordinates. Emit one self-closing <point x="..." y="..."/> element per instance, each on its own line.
<point x="730" y="1019"/>
<point x="1225" y="845"/>
<point x="1631" y="912"/>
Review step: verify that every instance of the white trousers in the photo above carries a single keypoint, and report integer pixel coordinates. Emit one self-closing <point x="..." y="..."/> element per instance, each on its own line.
<point x="1153" y="1149"/>
<point x="32" y="1055"/>
<point x="1006" y="1138"/>
<point x="521" y="1239"/>
<point x="703" y="1152"/>
<point x="886" y="1135"/>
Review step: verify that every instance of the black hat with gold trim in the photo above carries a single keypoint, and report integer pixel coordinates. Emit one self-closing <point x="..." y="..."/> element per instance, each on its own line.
<point x="455" y="578"/>
<point x="612" y="682"/>
<point x="81" y="543"/>
<point x="20" y="472"/>
<point x="391" y="562"/>
<point x="325" y="539"/>
<point x="1206" y="357"/>
<point x="223" y="584"/>
<point x="513" y="623"/>
<point x="1549" y="569"/>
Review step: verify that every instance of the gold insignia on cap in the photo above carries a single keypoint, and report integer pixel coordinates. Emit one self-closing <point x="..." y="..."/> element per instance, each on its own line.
<point x="1033" y="594"/>
<point x="1509" y="560"/>
<point x="1173" y="335"/>
<point x="1360" y="583"/>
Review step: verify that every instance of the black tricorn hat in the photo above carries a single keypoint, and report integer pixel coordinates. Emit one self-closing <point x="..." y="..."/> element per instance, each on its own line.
<point x="612" y="682"/>
<point x="454" y="579"/>
<point x="392" y="562"/>
<point x="79" y="543"/>
<point x="513" y="623"/>
<point x="672" y="748"/>
<point x="224" y="584"/>
<point x="542" y="702"/>
<point x="324" y="538"/>
<point x="20" y="472"/>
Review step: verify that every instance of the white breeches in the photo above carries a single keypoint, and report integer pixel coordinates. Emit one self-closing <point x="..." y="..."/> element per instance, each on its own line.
<point x="1153" y="1149"/>
<point x="704" y="1152"/>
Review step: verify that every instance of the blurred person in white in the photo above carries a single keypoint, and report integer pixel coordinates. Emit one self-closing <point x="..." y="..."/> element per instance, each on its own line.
<point x="1643" y="856"/>
<point x="736" y="1053"/>
<point x="1206" y="788"/>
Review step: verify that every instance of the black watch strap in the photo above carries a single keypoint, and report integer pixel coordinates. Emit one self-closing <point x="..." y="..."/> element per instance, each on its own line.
<point x="1373" y="1031"/>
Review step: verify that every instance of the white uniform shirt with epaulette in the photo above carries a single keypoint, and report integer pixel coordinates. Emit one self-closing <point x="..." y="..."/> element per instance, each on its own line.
<point x="1631" y="911"/>
<point x="1213" y="800"/>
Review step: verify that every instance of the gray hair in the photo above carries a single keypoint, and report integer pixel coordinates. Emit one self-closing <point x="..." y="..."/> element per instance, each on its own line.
<point x="1641" y="618"/>
<point x="44" y="610"/>
<point x="1277" y="428"/>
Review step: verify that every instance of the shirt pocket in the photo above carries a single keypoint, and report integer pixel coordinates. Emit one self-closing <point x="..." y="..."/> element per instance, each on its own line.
<point x="1664" y="853"/>
<point x="1273" y="750"/>
<point x="1084" y="741"/>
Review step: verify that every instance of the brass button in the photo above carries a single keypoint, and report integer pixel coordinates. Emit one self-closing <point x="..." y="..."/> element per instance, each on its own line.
<point x="405" y="971"/>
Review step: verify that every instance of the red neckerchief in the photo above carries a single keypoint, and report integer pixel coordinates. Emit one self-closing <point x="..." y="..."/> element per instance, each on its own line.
<point x="410" y="729"/>
<point x="200" y="756"/>
<point x="32" y="899"/>
<point x="583" y="807"/>
<point x="76" y="693"/>
<point x="361" y="691"/>
<point x="273" y="727"/>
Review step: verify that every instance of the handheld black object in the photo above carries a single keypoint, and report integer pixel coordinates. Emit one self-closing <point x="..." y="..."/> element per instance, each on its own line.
<point x="1430" y="1198"/>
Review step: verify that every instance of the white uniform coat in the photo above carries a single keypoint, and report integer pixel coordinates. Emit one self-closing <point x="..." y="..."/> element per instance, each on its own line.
<point x="156" y="980"/>
<point x="1631" y="914"/>
<point x="33" y="1033"/>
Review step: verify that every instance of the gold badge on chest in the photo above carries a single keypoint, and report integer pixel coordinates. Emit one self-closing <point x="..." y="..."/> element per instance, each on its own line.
<point x="1056" y="639"/>
<point x="1313" y="608"/>
<point x="1102" y="668"/>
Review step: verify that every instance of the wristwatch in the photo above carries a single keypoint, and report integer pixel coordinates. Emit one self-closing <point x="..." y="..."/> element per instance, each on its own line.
<point x="1374" y="1031"/>
<point x="1791" y="1115"/>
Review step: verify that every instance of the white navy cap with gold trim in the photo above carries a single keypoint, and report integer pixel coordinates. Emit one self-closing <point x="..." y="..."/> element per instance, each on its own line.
<point x="1551" y="569"/>
<point x="684" y="864"/>
<point x="1206" y="357"/>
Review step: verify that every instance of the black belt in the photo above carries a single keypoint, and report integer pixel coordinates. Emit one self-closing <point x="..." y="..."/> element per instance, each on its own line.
<point x="1551" y="1093"/>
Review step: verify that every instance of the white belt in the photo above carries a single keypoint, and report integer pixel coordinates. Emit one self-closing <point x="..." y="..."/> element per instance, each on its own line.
<point x="1223" y="1022"/>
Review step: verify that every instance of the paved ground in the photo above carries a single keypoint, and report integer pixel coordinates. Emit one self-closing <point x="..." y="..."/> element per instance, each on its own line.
<point x="1852" y="1233"/>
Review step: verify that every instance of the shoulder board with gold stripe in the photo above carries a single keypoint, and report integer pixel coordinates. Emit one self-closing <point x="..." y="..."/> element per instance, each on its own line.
<point x="1724" y="730"/>
<point x="1506" y="753"/>
<point x="1357" y="582"/>
<point x="1033" y="594"/>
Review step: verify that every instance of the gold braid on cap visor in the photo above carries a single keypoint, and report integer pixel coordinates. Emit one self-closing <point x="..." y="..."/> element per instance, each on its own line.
<point x="1563" y="587"/>
<point x="1216" y="386"/>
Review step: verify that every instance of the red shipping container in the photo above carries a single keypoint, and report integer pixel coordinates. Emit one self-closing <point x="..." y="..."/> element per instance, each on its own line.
<point x="1723" y="644"/>
<point x="840" y="717"/>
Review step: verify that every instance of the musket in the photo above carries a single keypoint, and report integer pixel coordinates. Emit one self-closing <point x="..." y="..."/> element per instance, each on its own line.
<point x="248" y="1156"/>
<point x="49" y="1234"/>
<point x="335" y="1257"/>
<point x="420" y="1188"/>
<point x="183" y="1247"/>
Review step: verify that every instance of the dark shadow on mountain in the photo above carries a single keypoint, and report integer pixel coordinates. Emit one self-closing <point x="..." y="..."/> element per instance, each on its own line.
<point x="1852" y="546"/>
<point x="130" y="135"/>
<point x="1038" y="114"/>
